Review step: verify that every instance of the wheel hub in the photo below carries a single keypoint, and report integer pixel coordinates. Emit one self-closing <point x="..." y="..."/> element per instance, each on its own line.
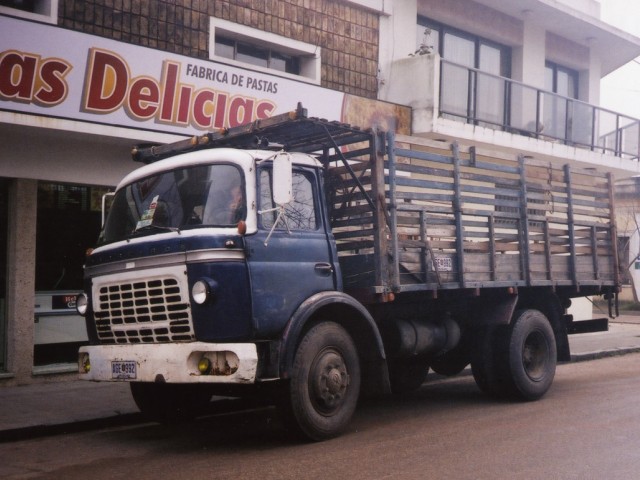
<point x="329" y="381"/>
<point x="535" y="355"/>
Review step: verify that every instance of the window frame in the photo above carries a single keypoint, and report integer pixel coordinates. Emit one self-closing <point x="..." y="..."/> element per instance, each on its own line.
<point x="310" y="178"/>
<point x="44" y="11"/>
<point x="308" y="55"/>
<point x="441" y="29"/>
<point x="574" y="75"/>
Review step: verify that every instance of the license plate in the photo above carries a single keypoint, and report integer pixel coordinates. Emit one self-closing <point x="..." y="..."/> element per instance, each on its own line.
<point x="123" y="370"/>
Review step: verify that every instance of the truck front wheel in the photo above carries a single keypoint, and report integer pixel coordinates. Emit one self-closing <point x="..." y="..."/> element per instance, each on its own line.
<point x="321" y="395"/>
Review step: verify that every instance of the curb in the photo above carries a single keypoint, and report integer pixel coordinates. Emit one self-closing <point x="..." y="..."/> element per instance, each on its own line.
<point x="226" y="406"/>
<point x="35" y="431"/>
<point x="585" y="357"/>
<point x="217" y="407"/>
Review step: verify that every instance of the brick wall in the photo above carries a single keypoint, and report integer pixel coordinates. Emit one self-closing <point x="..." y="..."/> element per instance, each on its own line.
<point x="347" y="35"/>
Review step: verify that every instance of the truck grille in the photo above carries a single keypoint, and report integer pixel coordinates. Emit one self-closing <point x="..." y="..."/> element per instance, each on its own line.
<point x="152" y="310"/>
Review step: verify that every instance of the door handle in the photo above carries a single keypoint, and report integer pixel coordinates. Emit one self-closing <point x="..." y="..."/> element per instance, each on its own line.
<point x="324" y="269"/>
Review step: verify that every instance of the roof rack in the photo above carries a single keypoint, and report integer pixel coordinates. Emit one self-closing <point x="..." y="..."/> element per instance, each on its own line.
<point x="292" y="131"/>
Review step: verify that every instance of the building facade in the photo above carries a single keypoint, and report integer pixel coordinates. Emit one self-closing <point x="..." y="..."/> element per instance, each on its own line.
<point x="81" y="82"/>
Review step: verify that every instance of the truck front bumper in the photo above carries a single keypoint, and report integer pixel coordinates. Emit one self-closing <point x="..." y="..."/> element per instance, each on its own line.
<point x="194" y="362"/>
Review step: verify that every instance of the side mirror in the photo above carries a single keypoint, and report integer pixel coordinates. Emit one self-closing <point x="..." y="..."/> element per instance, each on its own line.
<point x="282" y="179"/>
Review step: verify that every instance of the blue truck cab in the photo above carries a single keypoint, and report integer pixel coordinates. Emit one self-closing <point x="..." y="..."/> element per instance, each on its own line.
<point x="210" y="266"/>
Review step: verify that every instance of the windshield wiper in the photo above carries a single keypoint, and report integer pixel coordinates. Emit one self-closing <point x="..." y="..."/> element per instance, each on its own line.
<point x="153" y="226"/>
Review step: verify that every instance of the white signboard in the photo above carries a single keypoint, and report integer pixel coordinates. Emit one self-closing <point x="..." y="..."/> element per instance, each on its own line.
<point x="49" y="71"/>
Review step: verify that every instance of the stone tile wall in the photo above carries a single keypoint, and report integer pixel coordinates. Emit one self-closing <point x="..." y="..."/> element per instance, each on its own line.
<point x="347" y="34"/>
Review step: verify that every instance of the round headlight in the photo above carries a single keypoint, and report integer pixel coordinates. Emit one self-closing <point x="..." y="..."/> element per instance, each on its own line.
<point x="200" y="292"/>
<point x="82" y="302"/>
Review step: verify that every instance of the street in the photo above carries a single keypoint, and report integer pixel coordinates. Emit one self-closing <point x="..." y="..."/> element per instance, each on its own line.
<point x="587" y="427"/>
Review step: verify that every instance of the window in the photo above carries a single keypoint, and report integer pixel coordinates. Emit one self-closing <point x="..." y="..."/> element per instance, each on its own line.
<point x="245" y="46"/>
<point x="463" y="48"/>
<point x="68" y="223"/>
<point x="185" y="198"/>
<point x="558" y="112"/>
<point x="561" y="80"/>
<point x="262" y="57"/>
<point x="471" y="87"/>
<point x="40" y="10"/>
<point x="300" y="213"/>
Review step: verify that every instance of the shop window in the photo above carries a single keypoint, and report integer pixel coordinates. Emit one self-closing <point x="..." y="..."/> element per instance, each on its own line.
<point x="40" y="10"/>
<point x="68" y="223"/>
<point x="248" y="47"/>
<point x="4" y="232"/>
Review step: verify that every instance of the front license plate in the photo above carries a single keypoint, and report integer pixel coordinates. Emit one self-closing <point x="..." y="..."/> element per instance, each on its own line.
<point x="123" y="370"/>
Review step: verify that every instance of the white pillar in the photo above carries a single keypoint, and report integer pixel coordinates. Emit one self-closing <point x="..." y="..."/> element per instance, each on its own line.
<point x="21" y="258"/>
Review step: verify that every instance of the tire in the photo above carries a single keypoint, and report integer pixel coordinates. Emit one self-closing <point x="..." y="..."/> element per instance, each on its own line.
<point x="408" y="375"/>
<point x="319" y="399"/>
<point x="487" y="361"/>
<point x="532" y="355"/>
<point x="170" y="403"/>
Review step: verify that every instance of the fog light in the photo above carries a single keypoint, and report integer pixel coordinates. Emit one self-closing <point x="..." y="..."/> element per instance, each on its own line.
<point x="82" y="302"/>
<point x="85" y="363"/>
<point x="204" y="366"/>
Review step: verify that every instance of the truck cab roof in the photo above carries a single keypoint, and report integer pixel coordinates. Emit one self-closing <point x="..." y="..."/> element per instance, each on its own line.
<point x="245" y="158"/>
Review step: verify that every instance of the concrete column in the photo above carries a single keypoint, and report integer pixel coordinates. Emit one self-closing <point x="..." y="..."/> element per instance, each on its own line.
<point x="589" y="81"/>
<point x="21" y="261"/>
<point x="528" y="67"/>
<point x="527" y="63"/>
<point x="397" y="40"/>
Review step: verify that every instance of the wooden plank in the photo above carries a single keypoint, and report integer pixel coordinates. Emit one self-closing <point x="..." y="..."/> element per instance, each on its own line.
<point x="457" y="211"/>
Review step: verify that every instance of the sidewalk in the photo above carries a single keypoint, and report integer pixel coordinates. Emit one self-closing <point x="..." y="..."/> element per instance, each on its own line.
<point x="63" y="407"/>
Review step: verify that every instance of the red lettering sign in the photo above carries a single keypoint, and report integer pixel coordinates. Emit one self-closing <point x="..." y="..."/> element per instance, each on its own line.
<point x="28" y="78"/>
<point x="109" y="86"/>
<point x="106" y="82"/>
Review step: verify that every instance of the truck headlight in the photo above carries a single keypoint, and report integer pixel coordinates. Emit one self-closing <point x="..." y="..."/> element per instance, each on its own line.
<point x="203" y="290"/>
<point x="82" y="302"/>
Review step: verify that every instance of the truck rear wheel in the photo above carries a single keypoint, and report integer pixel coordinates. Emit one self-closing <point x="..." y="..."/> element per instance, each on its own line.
<point x="532" y="355"/>
<point x="169" y="402"/>
<point x="517" y="360"/>
<point x="486" y="360"/>
<point x="321" y="396"/>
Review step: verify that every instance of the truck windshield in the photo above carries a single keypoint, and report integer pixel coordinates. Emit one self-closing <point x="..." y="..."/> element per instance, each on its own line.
<point x="210" y="195"/>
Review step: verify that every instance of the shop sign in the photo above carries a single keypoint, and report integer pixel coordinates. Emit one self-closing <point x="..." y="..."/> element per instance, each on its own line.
<point x="50" y="71"/>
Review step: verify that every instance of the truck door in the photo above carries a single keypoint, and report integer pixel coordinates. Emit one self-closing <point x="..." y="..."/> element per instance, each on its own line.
<point x="297" y="260"/>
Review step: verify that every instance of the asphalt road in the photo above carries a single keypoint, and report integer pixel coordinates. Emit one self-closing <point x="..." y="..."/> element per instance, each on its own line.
<point x="587" y="427"/>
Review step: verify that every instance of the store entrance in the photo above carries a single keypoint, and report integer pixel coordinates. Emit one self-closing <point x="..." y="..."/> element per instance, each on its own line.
<point x="68" y="223"/>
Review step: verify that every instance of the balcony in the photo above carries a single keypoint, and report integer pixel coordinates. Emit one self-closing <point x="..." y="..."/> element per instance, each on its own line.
<point x="454" y="102"/>
<point x="476" y="97"/>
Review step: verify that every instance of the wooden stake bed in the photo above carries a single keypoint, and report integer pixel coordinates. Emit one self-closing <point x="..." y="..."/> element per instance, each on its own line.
<point x="456" y="219"/>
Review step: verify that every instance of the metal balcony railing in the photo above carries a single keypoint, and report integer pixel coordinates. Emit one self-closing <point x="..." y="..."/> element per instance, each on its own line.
<point x="497" y="102"/>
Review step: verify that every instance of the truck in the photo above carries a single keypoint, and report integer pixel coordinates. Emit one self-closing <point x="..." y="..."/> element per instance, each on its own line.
<point x="311" y="263"/>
